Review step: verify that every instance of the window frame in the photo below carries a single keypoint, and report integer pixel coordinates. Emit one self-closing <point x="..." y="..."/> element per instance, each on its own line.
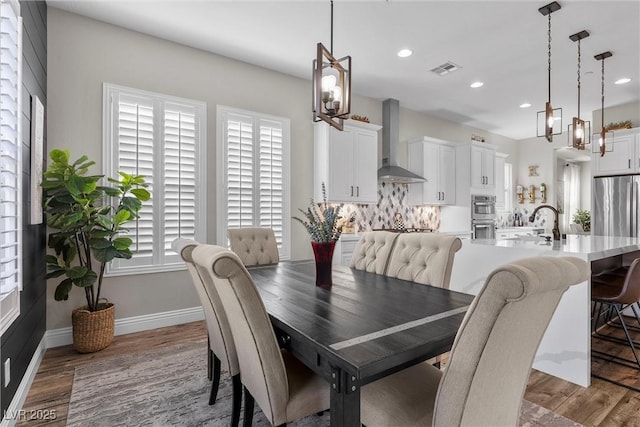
<point x="222" y="175"/>
<point x="160" y="261"/>
<point x="10" y="301"/>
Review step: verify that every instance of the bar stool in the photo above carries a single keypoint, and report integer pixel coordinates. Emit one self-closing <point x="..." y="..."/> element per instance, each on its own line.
<point x="614" y="292"/>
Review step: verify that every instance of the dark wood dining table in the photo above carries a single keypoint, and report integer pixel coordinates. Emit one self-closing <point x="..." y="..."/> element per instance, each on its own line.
<point x="366" y="326"/>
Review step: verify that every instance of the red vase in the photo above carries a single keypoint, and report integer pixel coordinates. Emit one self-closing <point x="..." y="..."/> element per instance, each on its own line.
<point x="323" y="252"/>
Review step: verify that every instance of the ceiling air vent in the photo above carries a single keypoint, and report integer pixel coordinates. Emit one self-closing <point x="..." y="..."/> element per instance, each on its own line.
<point x="446" y="68"/>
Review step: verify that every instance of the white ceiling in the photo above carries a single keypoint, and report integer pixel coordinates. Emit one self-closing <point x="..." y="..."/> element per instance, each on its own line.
<point x="502" y="43"/>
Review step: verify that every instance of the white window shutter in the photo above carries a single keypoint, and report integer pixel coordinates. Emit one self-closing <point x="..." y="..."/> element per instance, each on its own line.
<point x="240" y="175"/>
<point x="271" y="179"/>
<point x="10" y="149"/>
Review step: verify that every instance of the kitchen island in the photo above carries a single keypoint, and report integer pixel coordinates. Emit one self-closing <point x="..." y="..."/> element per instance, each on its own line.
<point x="565" y="350"/>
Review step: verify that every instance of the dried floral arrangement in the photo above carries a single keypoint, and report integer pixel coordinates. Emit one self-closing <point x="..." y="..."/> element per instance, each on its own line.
<point x="321" y="220"/>
<point x="626" y="124"/>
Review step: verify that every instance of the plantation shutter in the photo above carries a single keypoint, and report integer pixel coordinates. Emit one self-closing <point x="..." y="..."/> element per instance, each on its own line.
<point x="135" y="151"/>
<point x="253" y="173"/>
<point x="10" y="150"/>
<point x="271" y="177"/>
<point x="179" y="175"/>
<point x="240" y="167"/>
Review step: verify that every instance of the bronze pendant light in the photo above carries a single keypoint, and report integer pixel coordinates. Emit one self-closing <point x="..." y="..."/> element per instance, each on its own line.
<point x="602" y="141"/>
<point x="579" y="130"/>
<point x="550" y="114"/>
<point x="331" y="85"/>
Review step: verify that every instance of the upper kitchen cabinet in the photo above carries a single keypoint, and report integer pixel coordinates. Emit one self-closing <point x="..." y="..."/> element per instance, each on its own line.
<point x="475" y="171"/>
<point x="347" y="162"/>
<point x="435" y="160"/>
<point x="625" y="157"/>
<point x="501" y="159"/>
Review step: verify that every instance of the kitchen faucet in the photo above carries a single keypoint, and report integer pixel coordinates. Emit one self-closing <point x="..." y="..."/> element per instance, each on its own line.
<point x="556" y="230"/>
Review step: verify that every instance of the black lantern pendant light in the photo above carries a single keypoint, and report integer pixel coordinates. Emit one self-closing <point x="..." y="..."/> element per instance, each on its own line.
<point x="550" y="114"/>
<point x="602" y="141"/>
<point x="331" y="85"/>
<point x="579" y="130"/>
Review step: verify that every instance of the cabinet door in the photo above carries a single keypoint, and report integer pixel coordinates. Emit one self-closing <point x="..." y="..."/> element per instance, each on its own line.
<point x="447" y="175"/>
<point x="619" y="161"/>
<point x="499" y="173"/>
<point x="489" y="167"/>
<point x="341" y="187"/>
<point x="365" y="166"/>
<point x="477" y="175"/>
<point x="430" y="188"/>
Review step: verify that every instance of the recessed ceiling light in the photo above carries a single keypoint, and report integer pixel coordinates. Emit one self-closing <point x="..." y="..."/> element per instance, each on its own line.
<point x="403" y="53"/>
<point x="623" y="80"/>
<point x="525" y="105"/>
<point x="476" y="84"/>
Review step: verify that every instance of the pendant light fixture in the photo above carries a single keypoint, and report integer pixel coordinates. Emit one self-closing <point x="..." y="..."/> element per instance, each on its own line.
<point x="551" y="115"/>
<point x="579" y="131"/>
<point x="604" y="137"/>
<point x="331" y="85"/>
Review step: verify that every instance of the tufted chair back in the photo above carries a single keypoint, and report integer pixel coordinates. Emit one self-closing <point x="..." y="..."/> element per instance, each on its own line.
<point x="372" y="251"/>
<point x="425" y="258"/>
<point x="254" y="246"/>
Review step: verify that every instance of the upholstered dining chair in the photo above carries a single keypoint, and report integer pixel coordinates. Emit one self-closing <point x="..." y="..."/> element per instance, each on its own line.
<point x="283" y="387"/>
<point x="425" y="258"/>
<point x="372" y="251"/>
<point x="254" y="245"/>
<point x="221" y="345"/>
<point x="491" y="357"/>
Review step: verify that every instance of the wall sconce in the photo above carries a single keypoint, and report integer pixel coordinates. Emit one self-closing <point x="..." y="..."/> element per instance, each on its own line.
<point x="520" y="193"/>
<point x="579" y="135"/>
<point x="551" y="115"/>
<point x="331" y="85"/>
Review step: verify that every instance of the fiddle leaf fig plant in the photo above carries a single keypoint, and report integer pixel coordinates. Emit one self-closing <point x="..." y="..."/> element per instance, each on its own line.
<point x="88" y="222"/>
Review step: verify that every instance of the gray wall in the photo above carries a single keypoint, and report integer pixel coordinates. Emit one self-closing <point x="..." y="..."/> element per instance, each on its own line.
<point x="21" y="339"/>
<point x="84" y="53"/>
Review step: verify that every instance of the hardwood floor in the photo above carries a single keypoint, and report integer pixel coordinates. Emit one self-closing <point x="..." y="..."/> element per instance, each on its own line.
<point x="602" y="404"/>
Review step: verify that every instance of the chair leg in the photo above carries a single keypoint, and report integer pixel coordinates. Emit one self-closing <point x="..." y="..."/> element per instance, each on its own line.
<point x="626" y="333"/>
<point x="237" y="400"/>
<point x="209" y="359"/>
<point x="248" y="408"/>
<point x="215" y="384"/>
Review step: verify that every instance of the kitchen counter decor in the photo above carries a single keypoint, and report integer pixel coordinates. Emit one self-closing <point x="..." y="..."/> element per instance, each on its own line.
<point x="321" y="221"/>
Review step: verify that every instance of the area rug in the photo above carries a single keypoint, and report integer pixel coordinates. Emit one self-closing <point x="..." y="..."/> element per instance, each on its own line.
<point x="169" y="387"/>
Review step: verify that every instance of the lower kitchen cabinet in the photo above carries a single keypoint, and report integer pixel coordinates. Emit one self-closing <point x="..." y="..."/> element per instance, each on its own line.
<point x="344" y="249"/>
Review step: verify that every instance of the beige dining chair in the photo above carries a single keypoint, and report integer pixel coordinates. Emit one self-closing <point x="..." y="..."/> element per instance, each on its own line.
<point x="372" y="251"/>
<point x="283" y="387"/>
<point x="221" y="345"/>
<point x="425" y="258"/>
<point x="492" y="354"/>
<point x="254" y="245"/>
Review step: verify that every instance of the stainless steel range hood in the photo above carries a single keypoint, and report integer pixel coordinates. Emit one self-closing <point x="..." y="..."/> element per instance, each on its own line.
<point x="390" y="171"/>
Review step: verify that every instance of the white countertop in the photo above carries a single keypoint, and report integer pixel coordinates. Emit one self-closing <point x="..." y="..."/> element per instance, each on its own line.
<point x="522" y="229"/>
<point x="591" y="247"/>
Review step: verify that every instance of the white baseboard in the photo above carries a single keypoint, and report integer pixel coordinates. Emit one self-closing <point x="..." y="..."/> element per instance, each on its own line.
<point x="63" y="336"/>
<point x="12" y="414"/>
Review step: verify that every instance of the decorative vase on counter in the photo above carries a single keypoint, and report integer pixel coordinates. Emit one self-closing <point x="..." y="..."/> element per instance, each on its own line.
<point x="323" y="252"/>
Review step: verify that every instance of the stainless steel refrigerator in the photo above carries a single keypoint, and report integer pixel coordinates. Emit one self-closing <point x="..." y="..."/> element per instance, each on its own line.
<point x="615" y="206"/>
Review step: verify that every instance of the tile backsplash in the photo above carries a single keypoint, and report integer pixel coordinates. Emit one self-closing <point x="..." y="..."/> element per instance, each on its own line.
<point x="392" y="199"/>
<point x="544" y="218"/>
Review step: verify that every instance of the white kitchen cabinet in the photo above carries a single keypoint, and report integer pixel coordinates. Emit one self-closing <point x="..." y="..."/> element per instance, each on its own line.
<point x="501" y="159"/>
<point x="435" y="160"/>
<point x="344" y="248"/>
<point x="625" y="157"/>
<point x="347" y="162"/>
<point x="475" y="171"/>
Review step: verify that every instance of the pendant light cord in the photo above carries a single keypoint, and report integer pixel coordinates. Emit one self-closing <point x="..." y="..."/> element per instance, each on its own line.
<point x="602" y="100"/>
<point x="549" y="50"/>
<point x="331" y="28"/>
<point x="579" y="59"/>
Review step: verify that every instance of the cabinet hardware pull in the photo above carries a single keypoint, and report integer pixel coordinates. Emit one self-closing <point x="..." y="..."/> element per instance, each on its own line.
<point x="352" y="191"/>
<point x="358" y="191"/>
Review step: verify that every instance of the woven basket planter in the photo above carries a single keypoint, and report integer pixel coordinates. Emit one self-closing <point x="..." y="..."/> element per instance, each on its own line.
<point x="93" y="331"/>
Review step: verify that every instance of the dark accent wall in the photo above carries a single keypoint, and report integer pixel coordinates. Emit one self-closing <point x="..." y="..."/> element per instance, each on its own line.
<point x="19" y="342"/>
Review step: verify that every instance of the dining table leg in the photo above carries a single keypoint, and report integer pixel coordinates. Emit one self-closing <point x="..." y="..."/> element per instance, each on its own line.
<point x="345" y="399"/>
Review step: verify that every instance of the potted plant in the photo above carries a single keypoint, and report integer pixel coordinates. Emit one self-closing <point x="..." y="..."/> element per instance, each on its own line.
<point x="583" y="217"/>
<point x="321" y="222"/>
<point x="86" y="233"/>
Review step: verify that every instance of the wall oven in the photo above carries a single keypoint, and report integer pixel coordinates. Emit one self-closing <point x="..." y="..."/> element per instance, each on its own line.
<point x="483" y="217"/>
